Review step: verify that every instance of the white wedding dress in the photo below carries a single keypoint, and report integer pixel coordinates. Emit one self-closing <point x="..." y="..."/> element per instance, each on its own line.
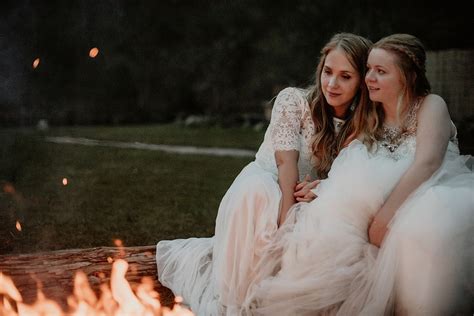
<point x="320" y="262"/>
<point x="213" y="274"/>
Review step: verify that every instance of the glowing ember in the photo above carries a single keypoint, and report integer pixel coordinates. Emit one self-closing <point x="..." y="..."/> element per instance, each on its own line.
<point x="64" y="181"/>
<point x="117" y="300"/>
<point x="119" y="244"/>
<point x="18" y="226"/>
<point x="8" y="188"/>
<point x="93" y="52"/>
<point x="36" y="63"/>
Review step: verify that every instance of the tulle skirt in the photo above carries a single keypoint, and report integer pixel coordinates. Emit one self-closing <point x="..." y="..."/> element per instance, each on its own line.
<point x="213" y="274"/>
<point x="320" y="261"/>
<point x="426" y="263"/>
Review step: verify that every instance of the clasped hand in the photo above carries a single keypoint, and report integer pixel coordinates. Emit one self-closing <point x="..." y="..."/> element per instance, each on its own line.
<point x="303" y="189"/>
<point x="377" y="229"/>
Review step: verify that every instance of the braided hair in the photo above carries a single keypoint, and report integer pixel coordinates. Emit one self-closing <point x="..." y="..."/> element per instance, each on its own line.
<point x="411" y="58"/>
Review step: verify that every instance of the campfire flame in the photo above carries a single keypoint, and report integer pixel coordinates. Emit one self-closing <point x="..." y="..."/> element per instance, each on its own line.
<point x="64" y="181"/>
<point x="117" y="300"/>
<point x="119" y="244"/>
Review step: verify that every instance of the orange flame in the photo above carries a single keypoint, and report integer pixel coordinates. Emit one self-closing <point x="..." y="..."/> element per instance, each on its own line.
<point x="64" y="181"/>
<point x="117" y="300"/>
<point x="119" y="244"/>
<point x="93" y="52"/>
<point x="8" y="288"/>
<point x="36" y="63"/>
<point x="18" y="226"/>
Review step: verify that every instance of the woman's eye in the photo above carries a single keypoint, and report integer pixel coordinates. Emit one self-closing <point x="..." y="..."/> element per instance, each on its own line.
<point x="346" y="77"/>
<point x="327" y="71"/>
<point x="380" y="71"/>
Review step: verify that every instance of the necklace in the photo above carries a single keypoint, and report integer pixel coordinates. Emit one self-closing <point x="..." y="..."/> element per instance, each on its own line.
<point x="392" y="137"/>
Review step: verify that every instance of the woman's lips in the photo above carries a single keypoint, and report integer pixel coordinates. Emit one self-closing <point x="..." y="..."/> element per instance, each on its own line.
<point x="333" y="95"/>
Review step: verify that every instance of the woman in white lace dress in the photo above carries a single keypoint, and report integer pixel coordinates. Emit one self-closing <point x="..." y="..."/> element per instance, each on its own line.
<point x="213" y="274"/>
<point x="405" y="180"/>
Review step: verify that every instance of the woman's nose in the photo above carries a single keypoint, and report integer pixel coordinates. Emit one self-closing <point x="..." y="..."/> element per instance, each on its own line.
<point x="369" y="76"/>
<point x="332" y="82"/>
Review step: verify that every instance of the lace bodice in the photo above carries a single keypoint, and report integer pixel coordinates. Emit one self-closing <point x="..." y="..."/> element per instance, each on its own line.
<point x="291" y="128"/>
<point x="400" y="142"/>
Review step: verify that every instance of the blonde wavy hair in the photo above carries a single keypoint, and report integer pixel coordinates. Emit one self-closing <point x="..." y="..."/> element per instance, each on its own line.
<point x="410" y="57"/>
<point x="360" y="118"/>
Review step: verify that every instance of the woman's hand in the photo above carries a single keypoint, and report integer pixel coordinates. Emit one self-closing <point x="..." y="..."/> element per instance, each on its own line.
<point x="377" y="230"/>
<point x="303" y="189"/>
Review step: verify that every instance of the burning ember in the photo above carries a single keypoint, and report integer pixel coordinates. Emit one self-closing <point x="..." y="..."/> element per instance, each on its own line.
<point x="117" y="300"/>
<point x="36" y="63"/>
<point x="93" y="52"/>
<point x="18" y="226"/>
<point x="8" y="188"/>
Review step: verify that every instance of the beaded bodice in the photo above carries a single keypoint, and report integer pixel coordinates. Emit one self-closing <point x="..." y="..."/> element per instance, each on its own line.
<point x="400" y="141"/>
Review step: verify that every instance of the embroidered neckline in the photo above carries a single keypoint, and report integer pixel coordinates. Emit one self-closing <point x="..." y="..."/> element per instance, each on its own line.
<point x="393" y="136"/>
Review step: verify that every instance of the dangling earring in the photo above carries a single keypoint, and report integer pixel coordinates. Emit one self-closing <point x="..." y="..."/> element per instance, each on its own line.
<point x="352" y="107"/>
<point x="354" y="104"/>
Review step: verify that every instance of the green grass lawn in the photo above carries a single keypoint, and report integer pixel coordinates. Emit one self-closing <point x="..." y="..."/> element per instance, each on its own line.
<point x="137" y="196"/>
<point x="170" y="134"/>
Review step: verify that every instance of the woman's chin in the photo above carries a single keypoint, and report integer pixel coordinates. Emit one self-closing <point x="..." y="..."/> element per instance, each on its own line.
<point x="374" y="96"/>
<point x="337" y="103"/>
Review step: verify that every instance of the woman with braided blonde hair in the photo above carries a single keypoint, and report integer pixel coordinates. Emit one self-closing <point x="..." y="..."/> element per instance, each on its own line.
<point x="425" y="226"/>
<point x="403" y="187"/>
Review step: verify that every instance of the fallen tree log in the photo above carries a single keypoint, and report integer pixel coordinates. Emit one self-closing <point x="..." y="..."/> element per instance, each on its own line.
<point x="54" y="271"/>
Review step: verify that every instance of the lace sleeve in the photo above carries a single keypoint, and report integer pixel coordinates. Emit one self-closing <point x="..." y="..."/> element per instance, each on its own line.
<point x="286" y="120"/>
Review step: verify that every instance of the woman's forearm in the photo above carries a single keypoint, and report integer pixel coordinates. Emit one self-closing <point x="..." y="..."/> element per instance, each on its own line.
<point x="287" y="179"/>
<point x="432" y="137"/>
<point x="409" y="182"/>
<point x="287" y="163"/>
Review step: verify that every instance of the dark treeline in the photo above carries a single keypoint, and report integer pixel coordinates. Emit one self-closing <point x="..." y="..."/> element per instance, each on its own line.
<point x="161" y="60"/>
